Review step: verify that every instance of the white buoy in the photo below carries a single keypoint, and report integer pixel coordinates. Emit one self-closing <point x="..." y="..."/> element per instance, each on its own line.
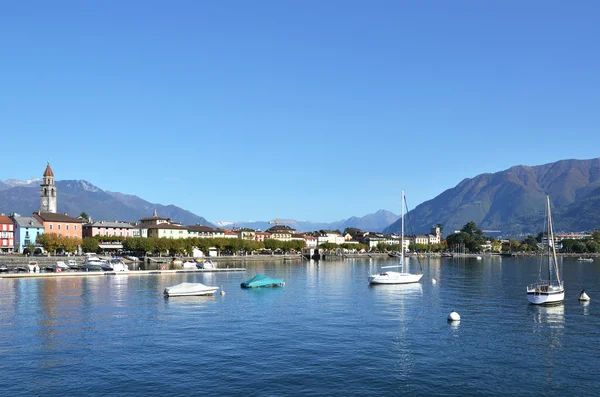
<point x="454" y="316"/>
<point x="479" y="258"/>
<point x="433" y="281"/>
<point x="583" y="296"/>
<point x="222" y="292"/>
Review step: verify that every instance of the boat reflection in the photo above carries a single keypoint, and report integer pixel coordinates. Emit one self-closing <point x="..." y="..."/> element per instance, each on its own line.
<point x="398" y="289"/>
<point x="553" y="315"/>
<point x="397" y="292"/>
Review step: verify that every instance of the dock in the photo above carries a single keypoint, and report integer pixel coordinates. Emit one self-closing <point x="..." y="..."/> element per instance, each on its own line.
<point x="126" y="273"/>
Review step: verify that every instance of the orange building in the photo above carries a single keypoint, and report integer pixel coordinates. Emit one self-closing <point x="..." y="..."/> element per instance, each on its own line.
<point x="60" y="224"/>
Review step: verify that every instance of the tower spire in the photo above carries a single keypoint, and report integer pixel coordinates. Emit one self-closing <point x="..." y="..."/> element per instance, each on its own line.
<point x="48" y="191"/>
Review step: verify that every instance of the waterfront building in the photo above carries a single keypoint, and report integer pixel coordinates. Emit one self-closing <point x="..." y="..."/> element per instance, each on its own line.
<point x="7" y="234"/>
<point x="60" y="224"/>
<point x="435" y="237"/>
<point x="329" y="236"/>
<point x="246" y="234"/>
<point x="139" y="230"/>
<point x="27" y="230"/>
<point x="48" y="192"/>
<point x="167" y="230"/>
<point x="572" y="236"/>
<point x="204" y="232"/>
<point x="230" y="234"/>
<point x="154" y="220"/>
<point x="102" y="228"/>
<point x="311" y="241"/>
<point x="421" y="239"/>
<point x="373" y="239"/>
<point x="281" y="232"/>
<point x="262" y="236"/>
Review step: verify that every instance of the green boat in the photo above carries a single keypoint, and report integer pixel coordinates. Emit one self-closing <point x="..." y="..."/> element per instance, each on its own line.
<point x="260" y="280"/>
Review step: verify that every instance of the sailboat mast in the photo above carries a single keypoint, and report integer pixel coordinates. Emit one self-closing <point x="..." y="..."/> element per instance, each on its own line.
<point x="551" y="236"/>
<point x="402" y="239"/>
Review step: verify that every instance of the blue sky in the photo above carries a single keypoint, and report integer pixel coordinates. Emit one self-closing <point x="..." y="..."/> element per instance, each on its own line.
<point x="312" y="110"/>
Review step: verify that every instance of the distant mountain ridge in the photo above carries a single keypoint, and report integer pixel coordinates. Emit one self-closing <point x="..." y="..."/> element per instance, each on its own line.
<point x="77" y="196"/>
<point x="375" y="222"/>
<point x="512" y="200"/>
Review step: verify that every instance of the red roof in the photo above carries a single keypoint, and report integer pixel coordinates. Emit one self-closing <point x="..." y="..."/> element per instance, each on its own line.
<point x="48" y="171"/>
<point x="5" y="220"/>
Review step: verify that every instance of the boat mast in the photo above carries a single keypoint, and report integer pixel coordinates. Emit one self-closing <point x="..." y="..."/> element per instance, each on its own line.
<point x="551" y="237"/>
<point x="402" y="239"/>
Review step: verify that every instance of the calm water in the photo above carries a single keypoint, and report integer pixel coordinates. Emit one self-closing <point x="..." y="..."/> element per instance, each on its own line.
<point x="327" y="332"/>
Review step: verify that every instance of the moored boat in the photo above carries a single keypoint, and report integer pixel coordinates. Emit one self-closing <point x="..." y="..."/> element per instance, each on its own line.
<point x="585" y="259"/>
<point x="118" y="265"/>
<point x="260" y="280"/>
<point x="391" y="277"/>
<point x="190" y="289"/>
<point x="552" y="290"/>
<point x="205" y="264"/>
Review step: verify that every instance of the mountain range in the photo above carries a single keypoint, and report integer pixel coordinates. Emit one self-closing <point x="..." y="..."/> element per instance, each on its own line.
<point x="375" y="222"/>
<point x="509" y="201"/>
<point x="77" y="196"/>
<point x="512" y="201"/>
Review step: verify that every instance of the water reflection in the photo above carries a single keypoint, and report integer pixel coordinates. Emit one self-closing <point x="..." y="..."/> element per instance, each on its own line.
<point x="586" y="307"/>
<point x="397" y="291"/>
<point x="553" y="315"/>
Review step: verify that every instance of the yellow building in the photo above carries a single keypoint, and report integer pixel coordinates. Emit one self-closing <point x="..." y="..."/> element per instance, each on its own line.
<point x="281" y="232"/>
<point x="167" y="230"/>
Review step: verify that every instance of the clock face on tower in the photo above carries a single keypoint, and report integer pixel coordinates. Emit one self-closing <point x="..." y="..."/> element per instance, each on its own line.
<point x="44" y="205"/>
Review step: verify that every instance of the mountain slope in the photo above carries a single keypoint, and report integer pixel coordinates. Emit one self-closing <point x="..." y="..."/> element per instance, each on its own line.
<point x="75" y="197"/>
<point x="513" y="200"/>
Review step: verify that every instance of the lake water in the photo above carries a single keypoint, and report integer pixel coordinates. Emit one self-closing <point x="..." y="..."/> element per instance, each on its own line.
<point x="327" y="332"/>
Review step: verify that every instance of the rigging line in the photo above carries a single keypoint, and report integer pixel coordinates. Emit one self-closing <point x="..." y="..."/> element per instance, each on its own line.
<point x="413" y="233"/>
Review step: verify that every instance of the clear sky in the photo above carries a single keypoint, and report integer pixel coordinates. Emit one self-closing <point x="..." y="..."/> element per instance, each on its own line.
<point x="311" y="110"/>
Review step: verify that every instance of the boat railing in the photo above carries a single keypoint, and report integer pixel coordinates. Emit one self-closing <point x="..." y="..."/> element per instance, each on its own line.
<point x="544" y="285"/>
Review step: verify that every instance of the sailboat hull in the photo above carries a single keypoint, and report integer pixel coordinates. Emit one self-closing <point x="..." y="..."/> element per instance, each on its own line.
<point x="394" y="278"/>
<point x="545" y="295"/>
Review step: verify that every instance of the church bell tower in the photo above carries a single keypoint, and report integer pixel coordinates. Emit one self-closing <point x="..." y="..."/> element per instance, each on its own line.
<point x="48" y="191"/>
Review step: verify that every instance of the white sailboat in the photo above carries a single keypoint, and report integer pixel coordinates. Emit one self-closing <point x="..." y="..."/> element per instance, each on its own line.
<point x="551" y="290"/>
<point x="391" y="277"/>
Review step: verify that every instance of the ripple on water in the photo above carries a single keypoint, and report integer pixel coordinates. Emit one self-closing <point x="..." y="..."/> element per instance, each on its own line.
<point x="327" y="332"/>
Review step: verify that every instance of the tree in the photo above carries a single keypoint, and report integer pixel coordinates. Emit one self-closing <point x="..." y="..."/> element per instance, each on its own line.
<point x="529" y="244"/>
<point x="596" y="236"/>
<point x="89" y="244"/>
<point x="70" y="244"/>
<point x="29" y="248"/>
<point x="471" y="229"/>
<point x="592" y="246"/>
<point x="49" y="241"/>
<point x="84" y="216"/>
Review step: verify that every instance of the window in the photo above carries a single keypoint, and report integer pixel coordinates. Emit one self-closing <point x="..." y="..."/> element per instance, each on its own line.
<point x="50" y="226"/>
<point x="67" y="227"/>
<point x="74" y="227"/>
<point x="58" y="227"/>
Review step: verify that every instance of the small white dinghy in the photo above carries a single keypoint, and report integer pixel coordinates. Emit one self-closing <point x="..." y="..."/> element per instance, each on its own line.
<point x="190" y="289"/>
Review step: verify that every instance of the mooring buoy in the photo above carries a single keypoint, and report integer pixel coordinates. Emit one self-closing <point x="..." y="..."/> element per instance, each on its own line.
<point x="454" y="316"/>
<point x="583" y="296"/>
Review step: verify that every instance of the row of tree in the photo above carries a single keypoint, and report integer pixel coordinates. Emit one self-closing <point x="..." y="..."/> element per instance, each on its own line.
<point x="158" y="246"/>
